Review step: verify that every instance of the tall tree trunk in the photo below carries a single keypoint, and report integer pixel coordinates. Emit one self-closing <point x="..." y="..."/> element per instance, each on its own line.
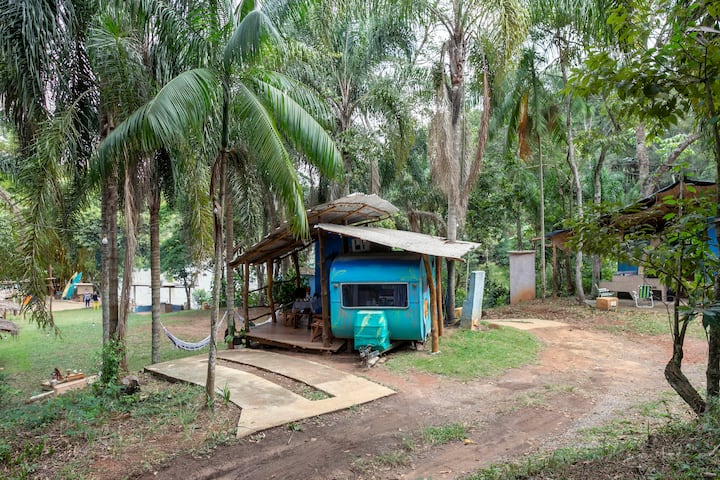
<point x="451" y="236"/>
<point x="105" y="242"/>
<point x="579" y="293"/>
<point x="597" y="200"/>
<point x="129" y="264"/>
<point x="673" y="370"/>
<point x="518" y="229"/>
<point x="112" y="254"/>
<point x="374" y="177"/>
<point x="229" y="255"/>
<point x="154" y="210"/>
<point x="217" y="196"/>
<point x="542" y="221"/>
<point x="643" y="159"/>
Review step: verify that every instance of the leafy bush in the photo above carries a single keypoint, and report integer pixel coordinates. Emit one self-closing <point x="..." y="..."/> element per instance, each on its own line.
<point x="284" y="290"/>
<point x="496" y="295"/>
<point x="200" y="296"/>
<point x="460" y="296"/>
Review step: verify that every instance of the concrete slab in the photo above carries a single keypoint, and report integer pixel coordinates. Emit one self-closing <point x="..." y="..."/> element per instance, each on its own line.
<point x="265" y="404"/>
<point x="527" y="323"/>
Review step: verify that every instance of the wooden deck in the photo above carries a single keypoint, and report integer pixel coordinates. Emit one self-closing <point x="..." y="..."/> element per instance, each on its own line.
<point x="278" y="335"/>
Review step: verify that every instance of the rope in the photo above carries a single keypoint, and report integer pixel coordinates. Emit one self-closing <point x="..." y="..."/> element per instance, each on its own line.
<point x="192" y="346"/>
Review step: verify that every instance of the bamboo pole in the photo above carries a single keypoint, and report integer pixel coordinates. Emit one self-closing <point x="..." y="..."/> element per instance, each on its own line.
<point x="433" y="306"/>
<point x="246" y="295"/>
<point x="271" y="300"/>
<point x="324" y="289"/>
<point x="438" y="295"/>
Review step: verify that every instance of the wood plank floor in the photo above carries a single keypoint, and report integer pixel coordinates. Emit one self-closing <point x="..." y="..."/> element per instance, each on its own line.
<point x="277" y="334"/>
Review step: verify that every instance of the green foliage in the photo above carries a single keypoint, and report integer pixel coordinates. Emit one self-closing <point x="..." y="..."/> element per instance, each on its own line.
<point x="112" y="354"/>
<point x="679" y="450"/>
<point x="82" y="416"/>
<point x="443" y="434"/>
<point x="467" y="355"/>
<point x="294" y="427"/>
<point x="200" y="296"/>
<point x="30" y="357"/>
<point x="284" y="290"/>
<point x="226" y="394"/>
<point x="176" y="258"/>
<point x="9" y="265"/>
<point x="678" y="253"/>
<point x="495" y="295"/>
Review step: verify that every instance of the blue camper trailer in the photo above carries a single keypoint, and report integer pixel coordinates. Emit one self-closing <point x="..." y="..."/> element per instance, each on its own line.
<point x="380" y="298"/>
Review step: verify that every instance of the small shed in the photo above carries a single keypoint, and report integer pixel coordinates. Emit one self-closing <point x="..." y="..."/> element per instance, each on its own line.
<point x="651" y="213"/>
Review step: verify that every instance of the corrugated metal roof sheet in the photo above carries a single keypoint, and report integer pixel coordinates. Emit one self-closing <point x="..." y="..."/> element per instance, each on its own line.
<point x="408" y="241"/>
<point x="353" y="209"/>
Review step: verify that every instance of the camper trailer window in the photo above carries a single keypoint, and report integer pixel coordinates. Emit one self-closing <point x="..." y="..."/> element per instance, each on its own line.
<point x="368" y="295"/>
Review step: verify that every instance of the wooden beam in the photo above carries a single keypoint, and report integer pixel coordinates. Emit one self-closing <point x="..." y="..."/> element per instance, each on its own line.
<point x="271" y="300"/>
<point x="324" y="291"/>
<point x="296" y="264"/>
<point x="555" y="272"/>
<point x="438" y="295"/>
<point x="433" y="306"/>
<point x="246" y="295"/>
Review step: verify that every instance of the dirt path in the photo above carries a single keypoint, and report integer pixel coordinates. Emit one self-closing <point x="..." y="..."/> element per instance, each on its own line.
<point x="583" y="378"/>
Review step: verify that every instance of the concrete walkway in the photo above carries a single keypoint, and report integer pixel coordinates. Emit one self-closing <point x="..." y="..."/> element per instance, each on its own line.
<point x="266" y="404"/>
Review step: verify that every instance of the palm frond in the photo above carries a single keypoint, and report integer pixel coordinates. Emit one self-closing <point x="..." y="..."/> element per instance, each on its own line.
<point x="179" y="106"/>
<point x="304" y="131"/>
<point x="248" y="38"/>
<point x="300" y="93"/>
<point x="276" y="167"/>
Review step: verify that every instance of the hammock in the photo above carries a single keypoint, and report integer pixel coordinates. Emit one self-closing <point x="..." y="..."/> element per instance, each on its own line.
<point x="191" y="346"/>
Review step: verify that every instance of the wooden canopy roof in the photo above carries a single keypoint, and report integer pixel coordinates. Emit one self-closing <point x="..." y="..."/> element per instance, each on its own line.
<point x="648" y="212"/>
<point x="353" y="209"/>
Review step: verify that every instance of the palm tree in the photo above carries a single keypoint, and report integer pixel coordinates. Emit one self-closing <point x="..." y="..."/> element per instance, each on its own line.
<point x="351" y="44"/>
<point x="568" y="23"/>
<point x="45" y="88"/>
<point x="268" y="108"/>
<point x="531" y="116"/>
<point x="492" y="30"/>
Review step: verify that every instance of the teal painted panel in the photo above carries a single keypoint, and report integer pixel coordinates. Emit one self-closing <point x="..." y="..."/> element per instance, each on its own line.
<point x="409" y="323"/>
<point x="371" y="328"/>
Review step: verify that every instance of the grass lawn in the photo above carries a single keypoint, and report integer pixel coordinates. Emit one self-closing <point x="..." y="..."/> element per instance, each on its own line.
<point x="466" y="354"/>
<point x="29" y="358"/>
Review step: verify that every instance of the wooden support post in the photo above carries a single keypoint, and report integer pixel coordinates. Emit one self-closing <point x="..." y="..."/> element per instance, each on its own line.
<point x="433" y="306"/>
<point x="271" y="300"/>
<point x="438" y="295"/>
<point x="555" y="272"/>
<point x="296" y="264"/>
<point x="324" y="291"/>
<point x="246" y="295"/>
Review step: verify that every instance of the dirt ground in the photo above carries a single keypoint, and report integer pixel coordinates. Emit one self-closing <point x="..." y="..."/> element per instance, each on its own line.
<point x="585" y="377"/>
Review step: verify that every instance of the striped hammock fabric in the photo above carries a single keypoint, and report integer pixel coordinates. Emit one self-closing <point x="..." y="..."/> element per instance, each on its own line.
<point x="192" y="346"/>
